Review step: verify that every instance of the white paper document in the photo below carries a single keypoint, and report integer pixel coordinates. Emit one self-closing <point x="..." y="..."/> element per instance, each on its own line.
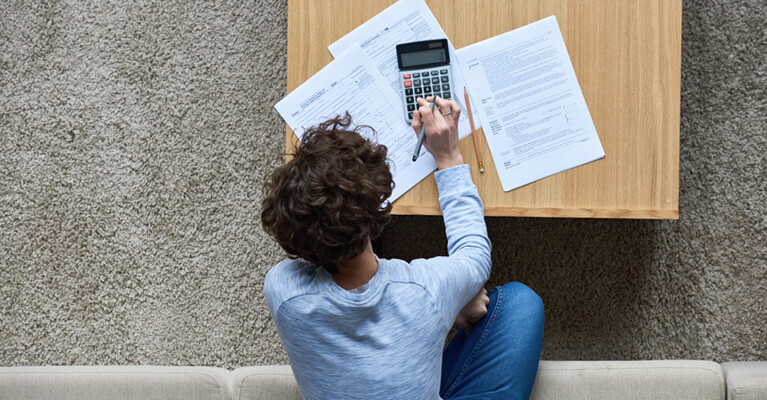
<point x="535" y="118"/>
<point x="404" y="21"/>
<point x="351" y="83"/>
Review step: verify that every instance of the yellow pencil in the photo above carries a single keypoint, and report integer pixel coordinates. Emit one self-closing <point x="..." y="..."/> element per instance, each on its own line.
<point x="473" y="137"/>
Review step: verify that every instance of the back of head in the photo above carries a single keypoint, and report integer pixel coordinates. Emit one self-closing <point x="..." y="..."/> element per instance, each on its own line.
<point x="326" y="203"/>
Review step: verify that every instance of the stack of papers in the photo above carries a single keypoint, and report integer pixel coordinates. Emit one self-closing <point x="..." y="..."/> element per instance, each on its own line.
<point x="535" y="117"/>
<point x="523" y="88"/>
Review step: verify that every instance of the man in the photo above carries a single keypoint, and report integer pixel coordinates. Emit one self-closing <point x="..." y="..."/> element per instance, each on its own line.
<point x="356" y="326"/>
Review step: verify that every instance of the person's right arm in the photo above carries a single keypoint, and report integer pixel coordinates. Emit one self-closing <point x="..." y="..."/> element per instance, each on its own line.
<point x="456" y="279"/>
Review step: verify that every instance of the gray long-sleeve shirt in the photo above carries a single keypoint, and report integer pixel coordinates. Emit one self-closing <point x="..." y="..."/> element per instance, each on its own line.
<point x="385" y="342"/>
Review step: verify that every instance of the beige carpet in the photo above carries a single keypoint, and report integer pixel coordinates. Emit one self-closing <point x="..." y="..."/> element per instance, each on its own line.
<point x="134" y="139"/>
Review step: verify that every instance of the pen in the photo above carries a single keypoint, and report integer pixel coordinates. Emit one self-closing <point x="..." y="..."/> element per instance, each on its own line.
<point x="417" y="151"/>
<point x="473" y="136"/>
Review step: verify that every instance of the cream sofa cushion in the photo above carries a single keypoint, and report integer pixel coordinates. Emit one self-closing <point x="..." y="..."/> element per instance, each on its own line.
<point x="746" y="380"/>
<point x="114" y="383"/>
<point x="629" y="380"/>
<point x="556" y="380"/>
<point x="270" y="382"/>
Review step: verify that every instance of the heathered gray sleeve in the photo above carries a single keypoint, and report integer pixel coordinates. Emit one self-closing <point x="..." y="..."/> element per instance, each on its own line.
<point x="452" y="281"/>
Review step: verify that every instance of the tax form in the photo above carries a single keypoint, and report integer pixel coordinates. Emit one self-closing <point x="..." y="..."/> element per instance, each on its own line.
<point x="404" y="21"/>
<point x="350" y="83"/>
<point x="527" y="95"/>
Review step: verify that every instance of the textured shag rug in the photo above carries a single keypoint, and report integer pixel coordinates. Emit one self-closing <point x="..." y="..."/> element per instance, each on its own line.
<point x="134" y="138"/>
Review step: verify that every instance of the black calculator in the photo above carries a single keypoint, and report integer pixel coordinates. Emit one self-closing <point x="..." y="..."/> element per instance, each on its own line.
<point x="424" y="70"/>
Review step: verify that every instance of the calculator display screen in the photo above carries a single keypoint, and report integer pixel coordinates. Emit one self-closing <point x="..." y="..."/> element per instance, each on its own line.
<point x="422" y="57"/>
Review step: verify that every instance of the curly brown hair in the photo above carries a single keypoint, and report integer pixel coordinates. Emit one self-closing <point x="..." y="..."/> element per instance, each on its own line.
<point x="331" y="198"/>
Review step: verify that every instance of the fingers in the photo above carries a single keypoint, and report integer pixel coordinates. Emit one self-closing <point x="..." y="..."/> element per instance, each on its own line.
<point x="456" y="110"/>
<point x="426" y="114"/>
<point x="444" y="106"/>
<point x="438" y="114"/>
<point x="451" y="111"/>
<point x="452" y="107"/>
<point x="444" y="118"/>
<point x="416" y="123"/>
<point x="484" y="297"/>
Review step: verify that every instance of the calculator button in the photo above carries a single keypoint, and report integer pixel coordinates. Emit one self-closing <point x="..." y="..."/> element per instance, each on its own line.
<point x="434" y="81"/>
<point x="406" y="76"/>
<point x="436" y="88"/>
<point x="416" y="82"/>
<point x="408" y="92"/>
<point x="408" y="84"/>
<point x="409" y="99"/>
<point x="410" y="115"/>
<point x="410" y="107"/>
<point x="418" y="90"/>
<point x="416" y="75"/>
<point x="443" y="71"/>
<point x="427" y="89"/>
<point x="425" y="73"/>
<point x="435" y="72"/>
<point x="445" y="86"/>
<point x="444" y="79"/>
<point x="445" y="95"/>
<point x="418" y="97"/>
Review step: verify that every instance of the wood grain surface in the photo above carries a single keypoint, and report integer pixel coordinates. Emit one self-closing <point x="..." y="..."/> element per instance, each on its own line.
<point x="627" y="57"/>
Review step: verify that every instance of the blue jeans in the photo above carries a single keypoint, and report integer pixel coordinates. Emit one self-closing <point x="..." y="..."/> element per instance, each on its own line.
<point x="499" y="358"/>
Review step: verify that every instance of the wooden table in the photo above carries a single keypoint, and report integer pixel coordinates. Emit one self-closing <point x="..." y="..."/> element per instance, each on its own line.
<point x="627" y="57"/>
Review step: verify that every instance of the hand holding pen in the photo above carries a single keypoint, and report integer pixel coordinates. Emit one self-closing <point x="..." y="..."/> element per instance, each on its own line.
<point x="437" y="129"/>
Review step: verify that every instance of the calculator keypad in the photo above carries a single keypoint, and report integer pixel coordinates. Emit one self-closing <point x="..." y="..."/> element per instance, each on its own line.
<point x="424" y="83"/>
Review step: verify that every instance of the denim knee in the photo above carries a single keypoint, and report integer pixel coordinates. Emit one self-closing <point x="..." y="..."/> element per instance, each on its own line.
<point x="519" y="296"/>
